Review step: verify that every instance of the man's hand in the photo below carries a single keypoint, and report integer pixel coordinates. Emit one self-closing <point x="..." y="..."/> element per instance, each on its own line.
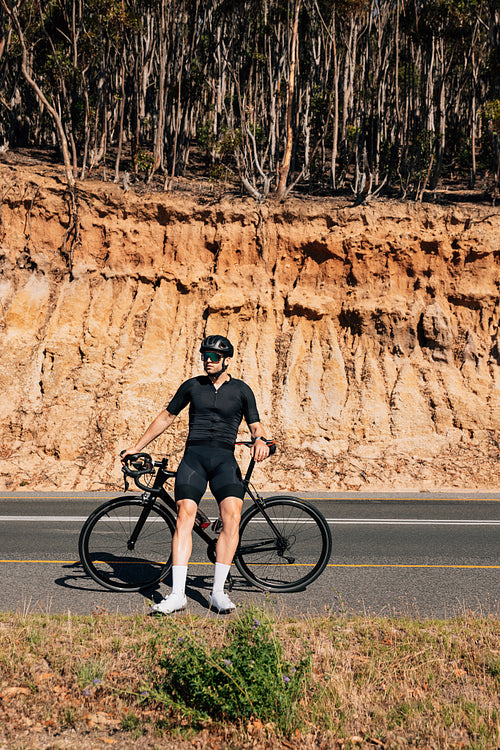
<point x="128" y="452"/>
<point x="259" y="450"/>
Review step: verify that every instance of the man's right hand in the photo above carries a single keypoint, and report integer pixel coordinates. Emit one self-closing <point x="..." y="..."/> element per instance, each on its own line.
<point x="127" y="452"/>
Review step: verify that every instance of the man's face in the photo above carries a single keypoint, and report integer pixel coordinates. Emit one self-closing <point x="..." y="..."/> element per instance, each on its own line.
<point x="213" y="362"/>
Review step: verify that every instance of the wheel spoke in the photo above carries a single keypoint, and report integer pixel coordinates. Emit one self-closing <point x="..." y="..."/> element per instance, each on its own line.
<point x="292" y="560"/>
<point x="104" y="549"/>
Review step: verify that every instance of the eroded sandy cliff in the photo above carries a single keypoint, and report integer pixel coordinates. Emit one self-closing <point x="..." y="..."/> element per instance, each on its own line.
<point x="370" y="334"/>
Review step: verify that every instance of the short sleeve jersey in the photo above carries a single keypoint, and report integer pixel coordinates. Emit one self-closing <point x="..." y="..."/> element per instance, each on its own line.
<point x="215" y="414"/>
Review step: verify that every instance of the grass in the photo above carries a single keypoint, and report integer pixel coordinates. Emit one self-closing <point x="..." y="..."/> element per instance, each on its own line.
<point x="248" y="681"/>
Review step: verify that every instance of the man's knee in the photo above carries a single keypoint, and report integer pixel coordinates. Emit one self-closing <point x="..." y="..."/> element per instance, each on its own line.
<point x="186" y="513"/>
<point x="230" y="511"/>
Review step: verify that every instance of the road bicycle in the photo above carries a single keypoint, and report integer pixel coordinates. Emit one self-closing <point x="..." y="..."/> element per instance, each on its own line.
<point x="125" y="544"/>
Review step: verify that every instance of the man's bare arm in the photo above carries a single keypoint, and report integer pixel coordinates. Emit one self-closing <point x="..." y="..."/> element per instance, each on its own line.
<point x="259" y="450"/>
<point x="161" y="423"/>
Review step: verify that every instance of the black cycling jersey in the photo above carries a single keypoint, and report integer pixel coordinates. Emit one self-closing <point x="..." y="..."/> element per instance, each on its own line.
<point x="215" y="414"/>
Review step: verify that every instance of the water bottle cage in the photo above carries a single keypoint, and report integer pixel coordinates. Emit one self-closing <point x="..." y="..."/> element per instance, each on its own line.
<point x="217" y="526"/>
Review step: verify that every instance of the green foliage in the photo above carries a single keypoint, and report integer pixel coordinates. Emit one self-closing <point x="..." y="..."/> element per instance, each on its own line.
<point x="130" y="722"/>
<point x="219" y="173"/>
<point x="424" y="147"/>
<point x="204" y="135"/>
<point x="352" y="132"/>
<point x="228" y="141"/>
<point x="247" y="677"/>
<point x="491" y="112"/>
<point x="143" y="160"/>
<point x="493" y="667"/>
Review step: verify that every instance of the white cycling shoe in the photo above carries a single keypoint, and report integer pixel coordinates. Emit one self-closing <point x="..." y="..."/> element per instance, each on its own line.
<point x="221" y="602"/>
<point x="171" y="603"/>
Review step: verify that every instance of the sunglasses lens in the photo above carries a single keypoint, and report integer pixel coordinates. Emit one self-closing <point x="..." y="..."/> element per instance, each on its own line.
<point x="211" y="357"/>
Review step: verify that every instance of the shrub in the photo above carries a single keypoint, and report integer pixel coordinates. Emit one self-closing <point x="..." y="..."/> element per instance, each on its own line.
<point x="246" y="677"/>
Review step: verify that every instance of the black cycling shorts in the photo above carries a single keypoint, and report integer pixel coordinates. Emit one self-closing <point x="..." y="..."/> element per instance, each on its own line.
<point x="206" y="464"/>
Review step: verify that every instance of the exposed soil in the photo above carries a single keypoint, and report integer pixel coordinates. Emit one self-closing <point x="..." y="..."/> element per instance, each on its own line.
<point x="370" y="334"/>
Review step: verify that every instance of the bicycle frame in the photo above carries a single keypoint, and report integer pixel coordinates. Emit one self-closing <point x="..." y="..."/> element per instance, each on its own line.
<point x="158" y="491"/>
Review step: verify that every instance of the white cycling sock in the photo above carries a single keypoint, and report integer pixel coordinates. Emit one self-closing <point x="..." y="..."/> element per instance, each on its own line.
<point x="220" y="576"/>
<point x="179" y="576"/>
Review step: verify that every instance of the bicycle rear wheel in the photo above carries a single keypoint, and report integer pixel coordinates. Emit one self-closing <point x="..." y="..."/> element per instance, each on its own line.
<point x="290" y="554"/>
<point x="106" y="552"/>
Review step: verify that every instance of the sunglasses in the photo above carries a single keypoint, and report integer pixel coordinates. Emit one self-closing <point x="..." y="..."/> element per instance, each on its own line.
<point x="211" y="357"/>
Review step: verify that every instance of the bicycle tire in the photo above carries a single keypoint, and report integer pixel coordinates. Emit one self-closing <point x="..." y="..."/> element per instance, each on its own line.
<point x="300" y="555"/>
<point x="103" y="549"/>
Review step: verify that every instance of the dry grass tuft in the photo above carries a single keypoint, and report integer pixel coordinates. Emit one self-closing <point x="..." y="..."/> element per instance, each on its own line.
<point x="88" y="682"/>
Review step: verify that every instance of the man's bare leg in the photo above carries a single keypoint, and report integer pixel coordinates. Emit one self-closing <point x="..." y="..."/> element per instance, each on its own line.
<point x="182" y="545"/>
<point x="230" y="511"/>
<point x="182" y="540"/>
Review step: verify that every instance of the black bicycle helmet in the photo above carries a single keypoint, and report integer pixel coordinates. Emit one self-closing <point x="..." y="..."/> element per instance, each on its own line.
<point x="216" y="343"/>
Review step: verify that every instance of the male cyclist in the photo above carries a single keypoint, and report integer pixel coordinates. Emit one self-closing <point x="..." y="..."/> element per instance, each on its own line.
<point x="217" y="405"/>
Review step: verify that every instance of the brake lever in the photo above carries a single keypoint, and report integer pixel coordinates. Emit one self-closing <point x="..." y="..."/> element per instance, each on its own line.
<point x="125" y="480"/>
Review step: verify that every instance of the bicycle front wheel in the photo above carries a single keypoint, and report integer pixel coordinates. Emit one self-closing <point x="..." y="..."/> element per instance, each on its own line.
<point x="111" y="556"/>
<point x="285" y="551"/>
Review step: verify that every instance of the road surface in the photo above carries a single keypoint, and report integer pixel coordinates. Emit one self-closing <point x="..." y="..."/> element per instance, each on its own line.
<point x="423" y="555"/>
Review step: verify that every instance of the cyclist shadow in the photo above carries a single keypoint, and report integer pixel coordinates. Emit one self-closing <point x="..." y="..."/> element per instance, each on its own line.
<point x="198" y="587"/>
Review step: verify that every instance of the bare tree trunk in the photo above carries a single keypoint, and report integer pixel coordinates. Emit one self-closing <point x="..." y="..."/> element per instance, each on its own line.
<point x="285" y="166"/>
<point x="169" y="180"/>
<point x="336" y="78"/>
<point x="475" y="75"/>
<point x="120" y="125"/>
<point x="162" y="62"/>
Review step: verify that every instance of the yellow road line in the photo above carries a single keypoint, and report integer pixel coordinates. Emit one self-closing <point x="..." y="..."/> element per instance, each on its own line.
<point x="296" y="565"/>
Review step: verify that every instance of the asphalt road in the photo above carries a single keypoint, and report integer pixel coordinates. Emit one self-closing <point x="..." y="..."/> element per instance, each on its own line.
<point x="425" y="555"/>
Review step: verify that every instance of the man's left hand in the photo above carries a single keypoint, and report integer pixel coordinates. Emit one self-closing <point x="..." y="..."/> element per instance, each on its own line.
<point x="259" y="450"/>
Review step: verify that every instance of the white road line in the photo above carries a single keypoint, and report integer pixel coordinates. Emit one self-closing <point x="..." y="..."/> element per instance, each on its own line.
<point x="339" y="521"/>
<point x="44" y="519"/>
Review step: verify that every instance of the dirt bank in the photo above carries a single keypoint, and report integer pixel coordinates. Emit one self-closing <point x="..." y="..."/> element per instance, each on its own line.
<point x="370" y="334"/>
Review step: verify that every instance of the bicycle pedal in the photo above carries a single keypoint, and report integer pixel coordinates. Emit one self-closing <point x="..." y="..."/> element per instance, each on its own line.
<point x="217" y="526"/>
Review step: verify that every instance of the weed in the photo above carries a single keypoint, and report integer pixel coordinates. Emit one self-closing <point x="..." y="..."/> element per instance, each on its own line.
<point x="90" y="672"/>
<point x="493" y="667"/>
<point x="246" y="677"/>
<point x="130" y="722"/>
<point x="69" y="716"/>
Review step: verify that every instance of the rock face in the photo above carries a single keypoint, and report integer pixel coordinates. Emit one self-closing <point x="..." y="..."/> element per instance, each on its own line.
<point x="369" y="334"/>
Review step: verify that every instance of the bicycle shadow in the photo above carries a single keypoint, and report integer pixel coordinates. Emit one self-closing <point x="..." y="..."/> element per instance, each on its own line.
<point x="122" y="574"/>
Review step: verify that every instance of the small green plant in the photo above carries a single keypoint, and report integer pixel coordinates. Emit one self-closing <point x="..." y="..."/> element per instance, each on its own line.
<point x="69" y="716"/>
<point x="91" y="672"/>
<point x="247" y="677"/>
<point x="143" y="161"/>
<point x="130" y="722"/>
<point x="491" y="111"/>
<point x="218" y="173"/>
